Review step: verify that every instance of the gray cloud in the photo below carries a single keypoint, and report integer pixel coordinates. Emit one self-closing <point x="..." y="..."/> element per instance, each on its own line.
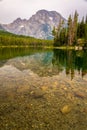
<point x="11" y="9"/>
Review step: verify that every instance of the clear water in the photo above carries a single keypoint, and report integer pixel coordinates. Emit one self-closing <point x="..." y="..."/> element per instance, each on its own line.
<point x="43" y="89"/>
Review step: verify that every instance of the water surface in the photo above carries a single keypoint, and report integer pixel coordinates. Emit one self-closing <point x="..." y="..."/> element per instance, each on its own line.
<point x="43" y="89"/>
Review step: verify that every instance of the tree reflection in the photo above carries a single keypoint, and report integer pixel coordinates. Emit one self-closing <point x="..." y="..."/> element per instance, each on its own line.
<point x="71" y="60"/>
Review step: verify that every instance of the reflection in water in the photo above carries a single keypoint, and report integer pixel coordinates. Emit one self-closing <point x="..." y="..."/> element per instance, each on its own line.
<point x="36" y="90"/>
<point x="7" y="53"/>
<point x="46" y="63"/>
<point x="71" y="61"/>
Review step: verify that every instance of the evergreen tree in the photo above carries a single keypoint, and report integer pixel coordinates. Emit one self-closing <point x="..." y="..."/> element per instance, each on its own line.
<point x="70" y="35"/>
<point x="72" y="29"/>
<point x="86" y="31"/>
<point x="69" y="31"/>
<point x="86" y="19"/>
<point x="75" y="26"/>
<point x="81" y="29"/>
<point x="63" y="36"/>
<point x="56" y="33"/>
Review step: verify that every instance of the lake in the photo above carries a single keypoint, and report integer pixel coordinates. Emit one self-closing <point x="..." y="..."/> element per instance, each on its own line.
<point x="43" y="89"/>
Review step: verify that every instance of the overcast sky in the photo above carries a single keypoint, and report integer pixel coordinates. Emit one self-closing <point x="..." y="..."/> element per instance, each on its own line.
<point x="12" y="9"/>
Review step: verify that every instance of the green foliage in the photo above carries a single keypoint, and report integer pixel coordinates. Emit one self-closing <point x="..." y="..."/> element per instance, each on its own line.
<point x="9" y="39"/>
<point x="69" y="36"/>
<point x="81" y="29"/>
<point x="56" y="33"/>
<point x="63" y="36"/>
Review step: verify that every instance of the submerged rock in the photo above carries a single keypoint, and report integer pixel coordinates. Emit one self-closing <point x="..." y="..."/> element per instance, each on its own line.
<point x="37" y="94"/>
<point x="65" y="109"/>
<point x="79" y="95"/>
<point x="85" y="110"/>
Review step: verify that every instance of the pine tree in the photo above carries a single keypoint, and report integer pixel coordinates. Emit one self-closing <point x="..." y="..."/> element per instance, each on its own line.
<point x="69" y="31"/>
<point x="56" y="33"/>
<point x="72" y="29"/>
<point x="63" y="36"/>
<point x="75" y="26"/>
<point x="86" y="19"/>
<point x="82" y="28"/>
<point x="86" y="30"/>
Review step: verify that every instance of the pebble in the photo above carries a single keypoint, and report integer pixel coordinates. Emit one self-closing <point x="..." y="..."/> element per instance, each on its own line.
<point x="65" y="109"/>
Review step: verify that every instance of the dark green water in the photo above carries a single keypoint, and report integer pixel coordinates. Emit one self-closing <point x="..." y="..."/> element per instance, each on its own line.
<point x="43" y="89"/>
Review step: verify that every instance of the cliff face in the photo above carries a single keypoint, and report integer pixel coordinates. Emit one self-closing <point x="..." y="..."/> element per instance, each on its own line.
<point x="40" y="25"/>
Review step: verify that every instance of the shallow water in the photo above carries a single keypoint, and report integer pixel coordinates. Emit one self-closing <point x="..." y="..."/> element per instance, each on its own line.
<point x="43" y="89"/>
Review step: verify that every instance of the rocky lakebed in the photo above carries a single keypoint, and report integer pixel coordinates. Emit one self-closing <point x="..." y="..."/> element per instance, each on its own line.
<point x="31" y="102"/>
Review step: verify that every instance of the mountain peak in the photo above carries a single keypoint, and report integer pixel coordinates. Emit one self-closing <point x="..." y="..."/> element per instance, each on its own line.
<point x="40" y="25"/>
<point x="46" y="12"/>
<point x="17" y="20"/>
<point x="42" y="11"/>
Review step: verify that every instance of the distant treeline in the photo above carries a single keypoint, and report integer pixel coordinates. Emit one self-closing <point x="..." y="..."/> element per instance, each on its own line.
<point x="9" y="39"/>
<point x="75" y="33"/>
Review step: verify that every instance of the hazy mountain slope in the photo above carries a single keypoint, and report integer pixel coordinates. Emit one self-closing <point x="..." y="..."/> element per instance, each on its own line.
<point x="2" y="28"/>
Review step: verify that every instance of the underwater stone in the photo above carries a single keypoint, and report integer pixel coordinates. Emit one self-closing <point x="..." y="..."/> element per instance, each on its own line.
<point x="65" y="109"/>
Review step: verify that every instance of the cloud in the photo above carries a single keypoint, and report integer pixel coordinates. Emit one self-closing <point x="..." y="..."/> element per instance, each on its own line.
<point x="11" y="9"/>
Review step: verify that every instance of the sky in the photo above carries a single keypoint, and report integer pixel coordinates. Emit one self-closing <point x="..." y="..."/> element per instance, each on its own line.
<point x="12" y="9"/>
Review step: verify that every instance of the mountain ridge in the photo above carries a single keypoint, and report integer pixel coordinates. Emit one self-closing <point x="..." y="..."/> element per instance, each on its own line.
<point x="39" y="25"/>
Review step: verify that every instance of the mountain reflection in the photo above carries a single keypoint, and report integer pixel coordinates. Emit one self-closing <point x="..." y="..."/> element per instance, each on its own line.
<point x="71" y="60"/>
<point x="45" y="63"/>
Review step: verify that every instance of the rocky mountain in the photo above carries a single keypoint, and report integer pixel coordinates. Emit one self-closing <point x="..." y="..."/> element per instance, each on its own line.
<point x="1" y="27"/>
<point x="40" y="25"/>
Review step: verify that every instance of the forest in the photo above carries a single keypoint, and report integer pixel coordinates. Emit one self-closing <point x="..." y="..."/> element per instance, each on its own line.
<point x="9" y="39"/>
<point x="74" y="34"/>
